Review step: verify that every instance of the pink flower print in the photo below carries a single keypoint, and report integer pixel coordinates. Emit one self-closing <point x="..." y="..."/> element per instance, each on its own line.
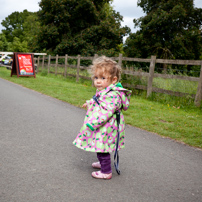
<point x="111" y="121"/>
<point x="120" y="127"/>
<point x="79" y="139"/>
<point x="110" y="140"/>
<point x="127" y="103"/>
<point x="87" y="133"/>
<point x="110" y="106"/>
<point x="93" y="143"/>
<point x="103" y="118"/>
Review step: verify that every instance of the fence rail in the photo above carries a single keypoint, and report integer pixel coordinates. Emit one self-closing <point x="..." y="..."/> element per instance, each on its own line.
<point x="149" y="75"/>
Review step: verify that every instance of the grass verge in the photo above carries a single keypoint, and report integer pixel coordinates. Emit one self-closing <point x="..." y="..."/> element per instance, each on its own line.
<point x="181" y="124"/>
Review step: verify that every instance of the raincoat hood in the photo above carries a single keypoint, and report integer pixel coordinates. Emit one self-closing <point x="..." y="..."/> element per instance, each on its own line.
<point x="123" y="93"/>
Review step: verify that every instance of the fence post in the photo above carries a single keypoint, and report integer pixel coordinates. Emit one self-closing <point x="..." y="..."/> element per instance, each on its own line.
<point x="151" y="75"/>
<point x="43" y="62"/>
<point x="56" y="64"/>
<point x="78" y="66"/>
<point x="49" y="59"/>
<point x="38" y="62"/>
<point x="198" y="97"/>
<point x="120" y="59"/>
<point x="65" y="74"/>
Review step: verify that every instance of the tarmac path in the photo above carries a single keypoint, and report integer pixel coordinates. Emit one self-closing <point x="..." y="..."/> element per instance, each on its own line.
<point x="39" y="163"/>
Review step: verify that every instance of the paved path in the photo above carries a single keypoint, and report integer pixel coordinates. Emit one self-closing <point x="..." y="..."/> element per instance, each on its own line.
<point x="38" y="162"/>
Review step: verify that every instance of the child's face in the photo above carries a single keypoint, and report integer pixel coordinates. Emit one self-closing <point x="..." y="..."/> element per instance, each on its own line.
<point x="101" y="81"/>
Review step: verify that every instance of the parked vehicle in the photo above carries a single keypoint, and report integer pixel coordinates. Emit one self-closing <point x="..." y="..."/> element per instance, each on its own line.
<point x="8" y="61"/>
<point x="0" y="59"/>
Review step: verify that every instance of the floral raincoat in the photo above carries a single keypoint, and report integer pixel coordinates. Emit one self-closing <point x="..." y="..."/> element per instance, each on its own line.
<point x="99" y="131"/>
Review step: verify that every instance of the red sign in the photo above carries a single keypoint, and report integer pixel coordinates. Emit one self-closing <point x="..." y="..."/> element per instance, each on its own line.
<point x="25" y="64"/>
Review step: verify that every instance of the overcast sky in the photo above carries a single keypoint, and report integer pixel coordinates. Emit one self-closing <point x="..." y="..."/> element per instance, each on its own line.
<point x="127" y="8"/>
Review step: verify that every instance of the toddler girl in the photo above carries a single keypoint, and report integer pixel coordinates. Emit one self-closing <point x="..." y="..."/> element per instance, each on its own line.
<point x="99" y="131"/>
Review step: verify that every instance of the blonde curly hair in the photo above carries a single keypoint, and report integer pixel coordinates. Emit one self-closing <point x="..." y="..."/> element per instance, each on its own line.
<point x="104" y="65"/>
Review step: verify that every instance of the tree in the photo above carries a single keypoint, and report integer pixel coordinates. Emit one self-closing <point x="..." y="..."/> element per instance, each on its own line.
<point x="170" y="29"/>
<point x="21" y="29"/>
<point x="80" y="27"/>
<point x="31" y="28"/>
<point x="3" y="42"/>
<point x="14" y="25"/>
<point x="18" y="46"/>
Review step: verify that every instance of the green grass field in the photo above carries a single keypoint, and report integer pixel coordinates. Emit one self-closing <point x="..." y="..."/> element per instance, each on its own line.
<point x="182" y="122"/>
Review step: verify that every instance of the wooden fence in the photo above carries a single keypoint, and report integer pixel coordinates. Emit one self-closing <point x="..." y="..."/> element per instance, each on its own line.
<point x="149" y="75"/>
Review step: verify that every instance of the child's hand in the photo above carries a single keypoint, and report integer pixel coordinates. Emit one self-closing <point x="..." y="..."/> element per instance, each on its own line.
<point x="84" y="105"/>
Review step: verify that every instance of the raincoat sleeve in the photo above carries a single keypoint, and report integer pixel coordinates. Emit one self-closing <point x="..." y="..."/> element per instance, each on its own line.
<point x="103" y="112"/>
<point x="89" y="102"/>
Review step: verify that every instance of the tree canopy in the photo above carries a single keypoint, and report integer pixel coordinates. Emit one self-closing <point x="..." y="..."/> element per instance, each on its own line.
<point x="14" y="25"/>
<point x="81" y="27"/>
<point x="3" y="42"/>
<point x="20" y="32"/>
<point x="170" y="29"/>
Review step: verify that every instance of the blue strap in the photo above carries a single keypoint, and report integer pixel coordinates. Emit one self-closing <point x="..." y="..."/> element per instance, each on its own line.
<point x="116" y="154"/>
<point x="95" y="98"/>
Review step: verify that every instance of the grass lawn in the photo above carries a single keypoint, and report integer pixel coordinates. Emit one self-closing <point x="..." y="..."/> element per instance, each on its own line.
<point x="183" y="124"/>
